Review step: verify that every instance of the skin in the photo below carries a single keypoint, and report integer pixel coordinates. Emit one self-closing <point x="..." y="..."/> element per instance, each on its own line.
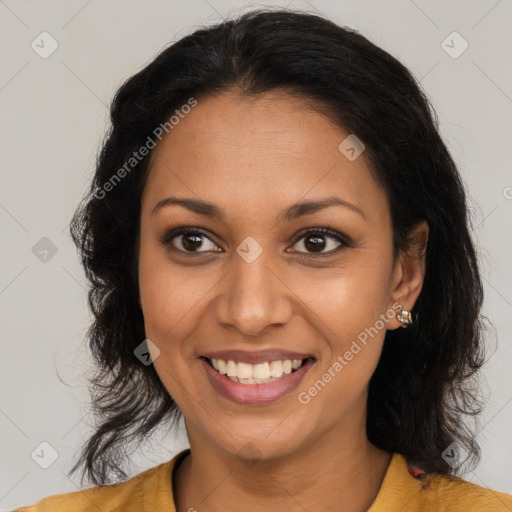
<point x="253" y="158"/>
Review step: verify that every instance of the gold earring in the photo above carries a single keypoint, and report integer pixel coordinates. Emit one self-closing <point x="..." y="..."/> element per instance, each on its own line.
<point x="405" y="317"/>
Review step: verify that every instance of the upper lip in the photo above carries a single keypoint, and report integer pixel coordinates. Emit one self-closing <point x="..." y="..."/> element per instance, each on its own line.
<point x="255" y="357"/>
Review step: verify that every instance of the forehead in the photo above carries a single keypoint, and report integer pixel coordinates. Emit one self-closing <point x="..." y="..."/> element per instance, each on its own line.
<point x="262" y="152"/>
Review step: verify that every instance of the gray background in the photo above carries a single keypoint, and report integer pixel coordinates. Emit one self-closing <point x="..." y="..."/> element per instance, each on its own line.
<point x="54" y="113"/>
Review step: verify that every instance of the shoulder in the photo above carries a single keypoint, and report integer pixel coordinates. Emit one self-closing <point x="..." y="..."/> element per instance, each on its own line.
<point x="126" y="496"/>
<point x="453" y="493"/>
<point x="409" y="489"/>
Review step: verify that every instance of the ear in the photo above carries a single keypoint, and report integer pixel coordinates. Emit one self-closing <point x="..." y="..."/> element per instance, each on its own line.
<point x="409" y="272"/>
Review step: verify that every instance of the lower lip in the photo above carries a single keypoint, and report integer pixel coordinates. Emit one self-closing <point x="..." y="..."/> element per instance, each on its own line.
<point x="255" y="394"/>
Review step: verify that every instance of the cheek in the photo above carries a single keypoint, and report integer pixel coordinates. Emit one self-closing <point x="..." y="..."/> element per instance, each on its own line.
<point x="170" y="305"/>
<point x="349" y="306"/>
<point x="170" y="295"/>
<point x="174" y="304"/>
<point x="349" y="299"/>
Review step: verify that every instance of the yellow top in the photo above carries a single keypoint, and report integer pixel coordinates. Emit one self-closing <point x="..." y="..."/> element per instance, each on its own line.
<point x="152" y="491"/>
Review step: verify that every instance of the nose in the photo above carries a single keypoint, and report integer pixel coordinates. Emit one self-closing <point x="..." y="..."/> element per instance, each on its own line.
<point x="253" y="297"/>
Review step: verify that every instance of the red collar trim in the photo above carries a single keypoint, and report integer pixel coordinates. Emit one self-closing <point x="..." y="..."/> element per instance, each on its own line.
<point x="414" y="471"/>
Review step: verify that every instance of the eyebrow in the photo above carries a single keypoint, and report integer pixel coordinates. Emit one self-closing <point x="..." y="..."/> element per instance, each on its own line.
<point x="295" y="211"/>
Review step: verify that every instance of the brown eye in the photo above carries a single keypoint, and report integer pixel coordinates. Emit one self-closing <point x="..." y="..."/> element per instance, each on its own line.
<point x="188" y="240"/>
<point x="322" y="241"/>
<point x="191" y="242"/>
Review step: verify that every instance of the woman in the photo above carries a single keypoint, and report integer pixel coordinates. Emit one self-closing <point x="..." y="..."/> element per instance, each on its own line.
<point x="278" y="248"/>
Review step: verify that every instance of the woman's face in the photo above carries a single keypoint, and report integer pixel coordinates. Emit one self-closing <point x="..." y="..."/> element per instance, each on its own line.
<point x="256" y="282"/>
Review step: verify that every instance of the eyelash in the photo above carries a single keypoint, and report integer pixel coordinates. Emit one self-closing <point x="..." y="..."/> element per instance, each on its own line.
<point x="346" y="242"/>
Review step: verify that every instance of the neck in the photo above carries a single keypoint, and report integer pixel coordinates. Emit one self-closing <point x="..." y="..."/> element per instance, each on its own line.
<point x="338" y="472"/>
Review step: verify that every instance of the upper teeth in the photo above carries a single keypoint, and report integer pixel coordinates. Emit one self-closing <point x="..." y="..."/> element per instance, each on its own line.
<point x="266" y="370"/>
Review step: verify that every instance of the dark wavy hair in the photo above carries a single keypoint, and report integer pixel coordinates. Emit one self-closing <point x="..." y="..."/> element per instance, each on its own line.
<point x="424" y="388"/>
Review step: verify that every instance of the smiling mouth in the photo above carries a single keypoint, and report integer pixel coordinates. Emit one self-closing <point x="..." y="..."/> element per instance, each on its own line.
<point x="260" y="373"/>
